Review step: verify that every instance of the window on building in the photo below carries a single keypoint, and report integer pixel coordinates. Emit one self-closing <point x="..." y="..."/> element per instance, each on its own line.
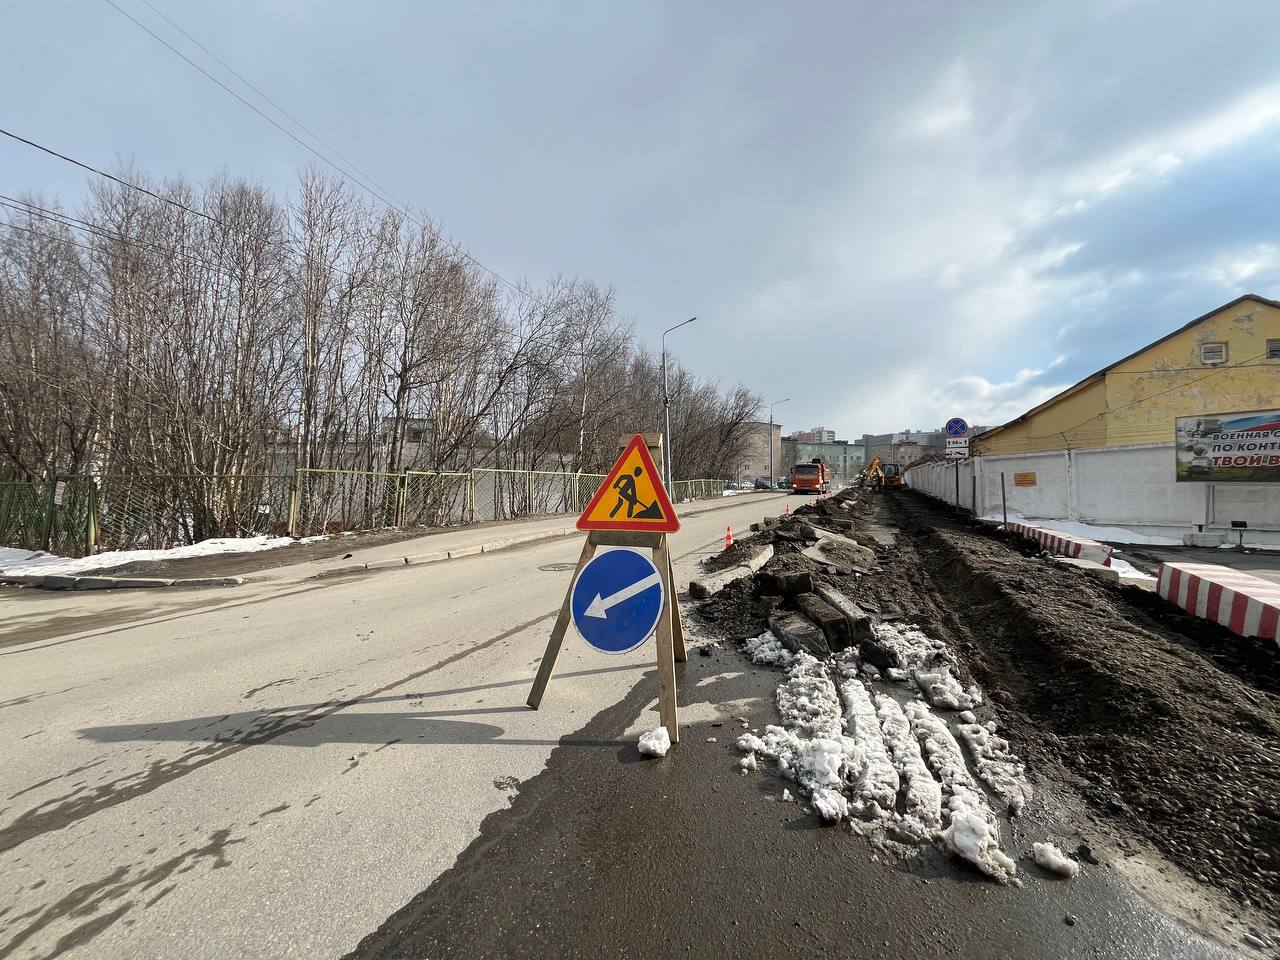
<point x="1273" y="349"/>
<point x="1213" y="353"/>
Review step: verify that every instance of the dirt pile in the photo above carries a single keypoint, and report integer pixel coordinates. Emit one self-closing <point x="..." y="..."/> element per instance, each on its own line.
<point x="1099" y="681"/>
<point x="1168" y="725"/>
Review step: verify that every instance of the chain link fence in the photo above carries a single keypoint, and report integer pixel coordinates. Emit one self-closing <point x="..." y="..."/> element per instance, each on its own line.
<point x="77" y="515"/>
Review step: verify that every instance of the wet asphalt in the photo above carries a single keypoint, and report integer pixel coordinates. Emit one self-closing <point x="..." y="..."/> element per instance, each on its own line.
<point x="608" y="854"/>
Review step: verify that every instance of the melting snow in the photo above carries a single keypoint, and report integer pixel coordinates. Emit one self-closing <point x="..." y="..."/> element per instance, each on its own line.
<point x="971" y="830"/>
<point x="767" y="648"/>
<point x="997" y="765"/>
<point x="655" y="743"/>
<point x="20" y="562"/>
<point x="1054" y="860"/>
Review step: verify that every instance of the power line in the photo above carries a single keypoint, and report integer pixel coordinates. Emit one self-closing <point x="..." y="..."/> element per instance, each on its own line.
<point x="177" y="204"/>
<point x="102" y="233"/>
<point x="248" y="83"/>
<point x="392" y="204"/>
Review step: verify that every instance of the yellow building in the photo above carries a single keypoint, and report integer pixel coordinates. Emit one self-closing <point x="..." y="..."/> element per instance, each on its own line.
<point x="1225" y="361"/>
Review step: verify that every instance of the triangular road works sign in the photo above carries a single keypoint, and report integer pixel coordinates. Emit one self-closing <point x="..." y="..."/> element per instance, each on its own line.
<point x="632" y="496"/>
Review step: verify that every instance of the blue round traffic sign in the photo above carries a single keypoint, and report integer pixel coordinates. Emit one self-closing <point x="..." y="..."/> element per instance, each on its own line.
<point x="617" y="600"/>
<point x="956" y="427"/>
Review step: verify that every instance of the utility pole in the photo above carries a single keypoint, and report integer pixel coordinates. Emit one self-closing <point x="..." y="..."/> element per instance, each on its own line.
<point x="771" y="406"/>
<point x="666" y="408"/>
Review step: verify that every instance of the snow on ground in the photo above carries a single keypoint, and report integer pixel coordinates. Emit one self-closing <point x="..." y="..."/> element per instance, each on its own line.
<point x="922" y="817"/>
<point x="875" y="791"/>
<point x="911" y="647"/>
<point x="891" y="771"/>
<point x="655" y="743"/>
<point x="20" y="562"/>
<point x="810" y="746"/>
<point x="942" y="689"/>
<point x="972" y="831"/>
<point x="1054" y="860"/>
<point x="1090" y="531"/>
<point x="1128" y="570"/>
<point x="997" y="765"/>
<point x="767" y="648"/>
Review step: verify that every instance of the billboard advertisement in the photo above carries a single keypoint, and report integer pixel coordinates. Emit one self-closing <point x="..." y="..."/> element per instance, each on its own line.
<point x="1229" y="447"/>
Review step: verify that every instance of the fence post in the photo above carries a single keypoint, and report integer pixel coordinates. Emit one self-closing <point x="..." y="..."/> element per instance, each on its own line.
<point x="295" y="497"/>
<point x="91" y="520"/>
<point x="46" y="535"/>
<point x="402" y="491"/>
<point x="1004" y="505"/>
<point x="471" y="494"/>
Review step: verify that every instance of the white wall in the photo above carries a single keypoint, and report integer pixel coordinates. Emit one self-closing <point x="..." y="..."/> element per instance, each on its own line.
<point x="1131" y="487"/>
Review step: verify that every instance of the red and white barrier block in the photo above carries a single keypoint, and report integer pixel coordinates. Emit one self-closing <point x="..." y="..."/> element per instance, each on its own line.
<point x="1065" y="544"/>
<point x="1246" y="605"/>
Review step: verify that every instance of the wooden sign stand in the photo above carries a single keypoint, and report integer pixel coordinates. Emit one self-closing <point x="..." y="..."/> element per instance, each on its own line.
<point x="669" y="631"/>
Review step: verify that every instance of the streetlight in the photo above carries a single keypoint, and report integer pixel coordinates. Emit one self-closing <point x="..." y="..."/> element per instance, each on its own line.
<point x="771" y="406"/>
<point x="666" y="406"/>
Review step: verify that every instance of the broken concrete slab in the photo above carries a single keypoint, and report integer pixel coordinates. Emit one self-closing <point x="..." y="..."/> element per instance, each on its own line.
<point x="788" y="582"/>
<point x="833" y="624"/>
<point x="1091" y="567"/>
<point x="713" y="583"/>
<point x="797" y="633"/>
<point x="859" y="620"/>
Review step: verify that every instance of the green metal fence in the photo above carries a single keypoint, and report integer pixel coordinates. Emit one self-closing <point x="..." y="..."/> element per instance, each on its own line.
<point x="153" y="511"/>
<point x="77" y="515"/>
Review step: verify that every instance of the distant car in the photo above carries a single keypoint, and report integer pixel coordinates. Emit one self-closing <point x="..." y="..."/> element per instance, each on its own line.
<point x="762" y="483"/>
<point x="1200" y="465"/>
<point x="784" y="483"/>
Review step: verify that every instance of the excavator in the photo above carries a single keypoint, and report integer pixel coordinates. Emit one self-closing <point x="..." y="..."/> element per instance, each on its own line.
<point x="879" y="475"/>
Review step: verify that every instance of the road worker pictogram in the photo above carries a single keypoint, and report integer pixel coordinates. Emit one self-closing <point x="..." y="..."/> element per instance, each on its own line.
<point x="632" y="496"/>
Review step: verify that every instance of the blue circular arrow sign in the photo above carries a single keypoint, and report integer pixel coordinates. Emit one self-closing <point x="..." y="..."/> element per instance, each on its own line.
<point x="617" y="600"/>
<point x="956" y="427"/>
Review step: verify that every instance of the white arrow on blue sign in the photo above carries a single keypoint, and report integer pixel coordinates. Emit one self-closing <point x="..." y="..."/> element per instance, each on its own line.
<point x="617" y="600"/>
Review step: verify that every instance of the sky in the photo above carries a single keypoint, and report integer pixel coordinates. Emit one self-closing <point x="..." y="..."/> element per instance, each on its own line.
<point x="890" y="214"/>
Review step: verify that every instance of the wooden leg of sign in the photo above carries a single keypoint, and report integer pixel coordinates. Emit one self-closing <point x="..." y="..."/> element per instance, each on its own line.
<point x="556" y="643"/>
<point x="677" y="622"/>
<point x="666" y="654"/>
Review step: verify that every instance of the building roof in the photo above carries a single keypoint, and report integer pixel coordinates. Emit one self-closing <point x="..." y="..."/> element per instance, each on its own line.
<point x="1094" y="377"/>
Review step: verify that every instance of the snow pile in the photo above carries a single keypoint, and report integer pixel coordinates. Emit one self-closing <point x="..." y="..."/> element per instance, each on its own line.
<point x="922" y="816"/>
<point x="943" y="690"/>
<point x="971" y="831"/>
<point x="47" y="563"/>
<point x="997" y="765"/>
<point x="767" y="648"/>
<point x="810" y="748"/>
<point x="911" y="647"/>
<point x="1054" y="860"/>
<point x="875" y="791"/>
<point x="655" y="743"/>
<point x="1128" y="571"/>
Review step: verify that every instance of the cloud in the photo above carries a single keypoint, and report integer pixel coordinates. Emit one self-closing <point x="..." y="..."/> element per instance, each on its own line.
<point x="992" y="404"/>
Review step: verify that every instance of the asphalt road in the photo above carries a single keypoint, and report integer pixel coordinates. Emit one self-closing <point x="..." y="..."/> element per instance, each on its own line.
<point x="272" y="771"/>
<point x="304" y="768"/>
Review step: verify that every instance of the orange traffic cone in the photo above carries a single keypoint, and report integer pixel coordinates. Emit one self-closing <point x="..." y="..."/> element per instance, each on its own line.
<point x="786" y="510"/>
<point x="728" y="537"/>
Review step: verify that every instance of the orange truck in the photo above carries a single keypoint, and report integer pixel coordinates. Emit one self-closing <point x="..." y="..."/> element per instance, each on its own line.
<point x="811" y="477"/>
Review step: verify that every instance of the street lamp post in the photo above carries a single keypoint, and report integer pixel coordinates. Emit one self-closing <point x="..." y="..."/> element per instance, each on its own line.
<point x="666" y="408"/>
<point x="771" y="406"/>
